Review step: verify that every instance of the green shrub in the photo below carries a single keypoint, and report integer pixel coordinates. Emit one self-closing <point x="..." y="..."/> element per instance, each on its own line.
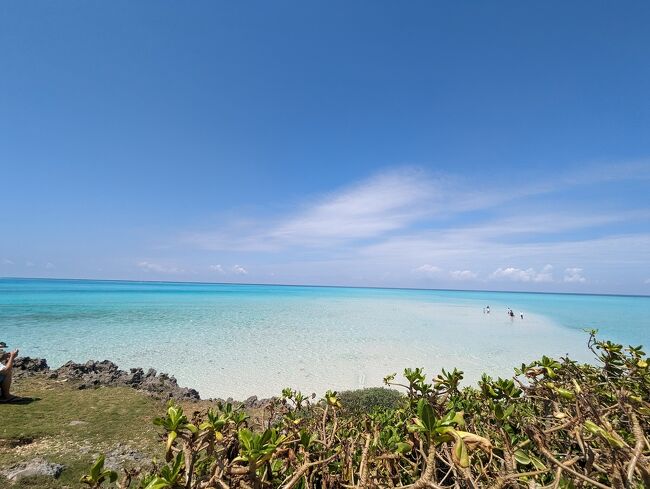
<point x="365" y="401"/>
<point x="557" y="423"/>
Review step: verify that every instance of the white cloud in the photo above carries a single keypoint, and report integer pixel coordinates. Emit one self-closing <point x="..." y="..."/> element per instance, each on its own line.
<point x="7" y="261"/>
<point x="370" y="209"/>
<point x="399" y="224"/>
<point x="148" y="266"/>
<point x="527" y="275"/>
<point x="380" y="204"/>
<point x="449" y="247"/>
<point x="574" y="275"/>
<point x="49" y="265"/>
<point x="429" y="270"/>
<point x="463" y="275"/>
<point x="30" y="264"/>
<point x="216" y="268"/>
<point x="395" y="201"/>
<point x="239" y="270"/>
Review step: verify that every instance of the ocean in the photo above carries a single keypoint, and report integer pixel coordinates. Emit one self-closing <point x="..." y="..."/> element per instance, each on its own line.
<point x="241" y="340"/>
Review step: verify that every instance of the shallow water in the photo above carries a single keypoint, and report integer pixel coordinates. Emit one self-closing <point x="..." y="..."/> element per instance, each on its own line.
<point x="240" y="340"/>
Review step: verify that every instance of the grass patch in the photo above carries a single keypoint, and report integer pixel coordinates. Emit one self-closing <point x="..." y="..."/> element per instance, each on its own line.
<point x="70" y="426"/>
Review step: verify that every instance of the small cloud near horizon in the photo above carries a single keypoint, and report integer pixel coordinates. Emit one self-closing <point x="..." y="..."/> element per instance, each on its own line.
<point x="428" y="270"/>
<point x="527" y="275"/>
<point x="239" y="270"/>
<point x="463" y="275"/>
<point x="216" y="268"/>
<point x="7" y="261"/>
<point x="574" y="275"/>
<point x="158" y="268"/>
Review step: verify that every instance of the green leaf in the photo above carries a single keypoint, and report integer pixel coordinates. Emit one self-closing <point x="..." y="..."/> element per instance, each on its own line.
<point x="522" y="457"/>
<point x="460" y="453"/>
<point x="566" y="394"/>
<point x="498" y="411"/>
<point x="170" y="440"/>
<point x="403" y="447"/>
<point x="459" y="419"/>
<point x="97" y="467"/>
<point x="245" y="437"/>
<point x="425" y="413"/>
<point x="539" y="465"/>
<point x="157" y="483"/>
<point x="508" y="412"/>
<point x="305" y="439"/>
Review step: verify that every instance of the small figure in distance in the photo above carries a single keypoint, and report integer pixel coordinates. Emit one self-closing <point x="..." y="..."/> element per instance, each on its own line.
<point x="6" y="373"/>
<point x="487" y="309"/>
<point x="522" y="315"/>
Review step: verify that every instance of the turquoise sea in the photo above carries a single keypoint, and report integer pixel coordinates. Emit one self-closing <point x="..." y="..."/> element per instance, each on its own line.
<point x="241" y="340"/>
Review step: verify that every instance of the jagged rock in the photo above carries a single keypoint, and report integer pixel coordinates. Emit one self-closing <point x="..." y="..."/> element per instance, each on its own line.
<point x="251" y="402"/>
<point x="25" y="366"/>
<point x="94" y="374"/>
<point x="37" y="466"/>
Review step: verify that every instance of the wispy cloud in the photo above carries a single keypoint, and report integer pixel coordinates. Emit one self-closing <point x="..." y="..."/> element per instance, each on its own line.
<point x="7" y="261"/>
<point x="419" y="226"/>
<point x="395" y="201"/>
<point x="216" y="268"/>
<point x="148" y="266"/>
<point x="384" y="203"/>
<point x="374" y="207"/>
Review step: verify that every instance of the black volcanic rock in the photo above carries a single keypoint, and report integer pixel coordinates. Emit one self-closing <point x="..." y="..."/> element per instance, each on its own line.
<point x="94" y="374"/>
<point x="25" y="366"/>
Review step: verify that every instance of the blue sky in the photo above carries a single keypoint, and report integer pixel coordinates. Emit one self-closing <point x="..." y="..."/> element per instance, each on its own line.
<point x="474" y="145"/>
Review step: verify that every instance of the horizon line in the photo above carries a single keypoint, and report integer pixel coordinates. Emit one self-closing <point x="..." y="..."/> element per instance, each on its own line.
<point x="189" y="282"/>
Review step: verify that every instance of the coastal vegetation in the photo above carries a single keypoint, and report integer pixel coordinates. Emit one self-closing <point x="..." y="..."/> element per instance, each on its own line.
<point x="555" y="424"/>
<point x="69" y="426"/>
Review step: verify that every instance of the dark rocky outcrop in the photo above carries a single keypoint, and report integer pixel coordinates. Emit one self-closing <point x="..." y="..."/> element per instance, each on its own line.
<point x="24" y="366"/>
<point x="105" y="373"/>
<point x="94" y="374"/>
